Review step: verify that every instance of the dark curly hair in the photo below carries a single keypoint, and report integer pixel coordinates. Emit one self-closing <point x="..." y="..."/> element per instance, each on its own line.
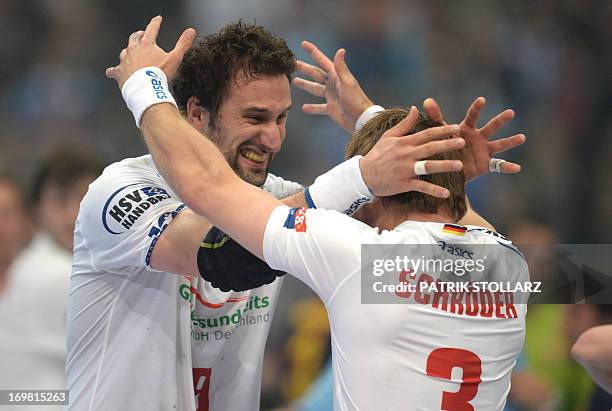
<point x="208" y="67"/>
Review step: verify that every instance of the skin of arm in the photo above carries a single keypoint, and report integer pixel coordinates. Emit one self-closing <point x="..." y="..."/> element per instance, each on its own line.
<point x="199" y="174"/>
<point x="594" y="352"/>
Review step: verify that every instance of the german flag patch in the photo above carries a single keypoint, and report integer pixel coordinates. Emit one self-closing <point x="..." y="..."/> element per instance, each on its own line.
<point x="454" y="229"/>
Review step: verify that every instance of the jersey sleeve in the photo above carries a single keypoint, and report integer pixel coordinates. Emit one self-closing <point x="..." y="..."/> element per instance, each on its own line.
<point x="122" y="217"/>
<point x="279" y="187"/>
<point x="319" y="247"/>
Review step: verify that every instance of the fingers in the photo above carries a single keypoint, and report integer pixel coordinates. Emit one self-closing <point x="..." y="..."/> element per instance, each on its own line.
<point x="122" y="54"/>
<point x="317" y="109"/>
<point x="473" y="113"/>
<point x="316" y="89"/>
<point x="432" y="110"/>
<point x="342" y="69"/>
<point x="504" y="144"/>
<point x="428" y="188"/>
<point x="111" y="72"/>
<point x="151" y="31"/>
<point x="443" y="166"/>
<point x="135" y="38"/>
<point x="183" y="43"/>
<point x="404" y="126"/>
<point x="314" y="72"/>
<point x="434" y="133"/>
<point x="496" y="123"/>
<point x="321" y="59"/>
<point x="436" y="147"/>
<point x="510" y="168"/>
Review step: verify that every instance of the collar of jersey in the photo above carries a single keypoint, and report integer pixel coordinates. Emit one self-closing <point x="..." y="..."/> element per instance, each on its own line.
<point x="411" y="224"/>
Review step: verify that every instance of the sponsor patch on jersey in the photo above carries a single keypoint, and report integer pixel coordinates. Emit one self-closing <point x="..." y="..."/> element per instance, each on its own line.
<point x="158" y="228"/>
<point x="125" y="206"/>
<point x="296" y="220"/>
<point x="454" y="229"/>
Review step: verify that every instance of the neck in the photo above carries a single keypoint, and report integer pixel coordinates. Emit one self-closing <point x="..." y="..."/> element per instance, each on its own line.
<point x="376" y="216"/>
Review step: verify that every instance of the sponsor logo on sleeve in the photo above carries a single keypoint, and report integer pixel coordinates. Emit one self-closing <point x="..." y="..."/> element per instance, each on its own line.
<point x="125" y="206"/>
<point x="300" y="220"/>
<point x="296" y="220"/>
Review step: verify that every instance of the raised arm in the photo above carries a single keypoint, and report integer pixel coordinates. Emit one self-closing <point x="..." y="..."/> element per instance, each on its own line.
<point x="479" y="150"/>
<point x="199" y="174"/>
<point x="345" y="100"/>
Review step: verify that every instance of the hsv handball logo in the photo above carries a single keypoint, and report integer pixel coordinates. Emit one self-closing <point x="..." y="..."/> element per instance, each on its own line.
<point x="158" y="85"/>
<point x="125" y="206"/>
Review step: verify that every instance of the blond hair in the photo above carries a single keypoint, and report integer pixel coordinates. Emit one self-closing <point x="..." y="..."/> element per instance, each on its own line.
<point x="364" y="139"/>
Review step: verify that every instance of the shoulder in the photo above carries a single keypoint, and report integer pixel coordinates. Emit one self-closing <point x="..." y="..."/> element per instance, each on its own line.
<point x="129" y="196"/>
<point x="321" y="220"/>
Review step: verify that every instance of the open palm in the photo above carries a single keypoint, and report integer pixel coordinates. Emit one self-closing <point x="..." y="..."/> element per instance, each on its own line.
<point x="479" y="149"/>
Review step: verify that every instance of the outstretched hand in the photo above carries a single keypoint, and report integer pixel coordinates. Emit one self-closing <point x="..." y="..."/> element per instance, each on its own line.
<point x="143" y="51"/>
<point x="478" y="149"/>
<point x="388" y="168"/>
<point x="333" y="81"/>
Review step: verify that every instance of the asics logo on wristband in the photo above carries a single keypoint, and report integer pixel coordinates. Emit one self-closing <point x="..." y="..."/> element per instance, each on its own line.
<point x="158" y="85"/>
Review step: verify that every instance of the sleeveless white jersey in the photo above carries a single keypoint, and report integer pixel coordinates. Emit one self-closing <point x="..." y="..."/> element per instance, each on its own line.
<point x="143" y="339"/>
<point x="400" y="356"/>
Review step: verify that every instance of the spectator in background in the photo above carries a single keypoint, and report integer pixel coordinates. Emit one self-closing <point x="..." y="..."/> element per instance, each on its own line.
<point x="14" y="225"/>
<point x="33" y="307"/>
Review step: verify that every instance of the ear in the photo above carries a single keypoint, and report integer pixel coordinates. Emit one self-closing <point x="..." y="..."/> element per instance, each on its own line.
<point x="196" y="115"/>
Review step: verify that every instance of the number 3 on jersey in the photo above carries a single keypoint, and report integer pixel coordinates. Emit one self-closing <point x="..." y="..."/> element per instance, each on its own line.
<point x="440" y="364"/>
<point x="201" y="385"/>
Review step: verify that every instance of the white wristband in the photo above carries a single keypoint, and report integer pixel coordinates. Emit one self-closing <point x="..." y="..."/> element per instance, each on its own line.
<point x="144" y="88"/>
<point x="342" y="188"/>
<point x="367" y="114"/>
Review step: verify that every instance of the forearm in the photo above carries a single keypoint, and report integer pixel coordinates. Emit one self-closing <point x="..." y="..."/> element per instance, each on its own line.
<point x="189" y="161"/>
<point x="296" y="200"/>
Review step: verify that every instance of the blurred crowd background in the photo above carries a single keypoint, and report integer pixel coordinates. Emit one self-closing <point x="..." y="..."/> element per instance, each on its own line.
<point x="550" y="61"/>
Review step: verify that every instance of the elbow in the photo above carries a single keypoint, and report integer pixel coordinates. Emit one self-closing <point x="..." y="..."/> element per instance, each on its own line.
<point x="584" y="350"/>
<point x="194" y="194"/>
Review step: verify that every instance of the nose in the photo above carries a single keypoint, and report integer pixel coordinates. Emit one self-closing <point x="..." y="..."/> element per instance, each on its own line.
<point x="272" y="137"/>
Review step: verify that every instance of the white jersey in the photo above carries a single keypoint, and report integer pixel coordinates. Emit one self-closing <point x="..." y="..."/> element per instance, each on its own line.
<point x="399" y="356"/>
<point x="139" y="338"/>
<point x="33" y="319"/>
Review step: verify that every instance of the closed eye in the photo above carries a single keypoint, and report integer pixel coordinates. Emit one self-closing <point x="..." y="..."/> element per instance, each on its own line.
<point x="255" y="119"/>
<point x="281" y="118"/>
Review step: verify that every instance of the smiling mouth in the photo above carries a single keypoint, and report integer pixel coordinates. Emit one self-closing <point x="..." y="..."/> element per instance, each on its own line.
<point x="253" y="156"/>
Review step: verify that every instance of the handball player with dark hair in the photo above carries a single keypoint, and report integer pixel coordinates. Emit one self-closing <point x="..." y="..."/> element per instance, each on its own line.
<point x="402" y="361"/>
<point x="154" y="313"/>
